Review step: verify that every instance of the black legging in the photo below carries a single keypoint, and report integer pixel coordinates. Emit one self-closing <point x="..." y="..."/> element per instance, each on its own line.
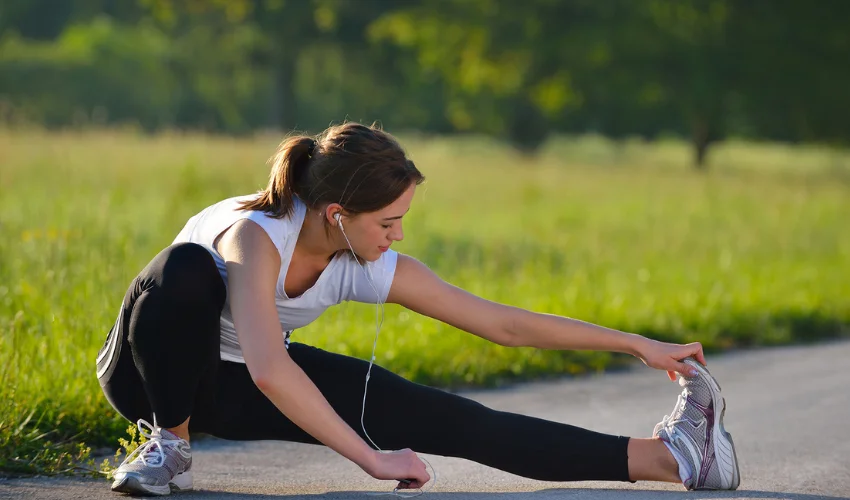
<point x="166" y="360"/>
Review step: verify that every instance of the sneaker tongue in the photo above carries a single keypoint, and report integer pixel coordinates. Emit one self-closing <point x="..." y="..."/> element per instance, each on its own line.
<point x="152" y="453"/>
<point x="664" y="435"/>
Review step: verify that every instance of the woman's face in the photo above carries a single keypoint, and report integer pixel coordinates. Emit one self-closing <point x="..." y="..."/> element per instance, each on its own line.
<point x="372" y="233"/>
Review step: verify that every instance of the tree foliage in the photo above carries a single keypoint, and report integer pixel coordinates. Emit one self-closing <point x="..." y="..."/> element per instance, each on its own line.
<point x="703" y="69"/>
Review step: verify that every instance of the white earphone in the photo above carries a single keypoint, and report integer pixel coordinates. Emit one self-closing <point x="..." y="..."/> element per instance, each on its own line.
<point x="337" y="216"/>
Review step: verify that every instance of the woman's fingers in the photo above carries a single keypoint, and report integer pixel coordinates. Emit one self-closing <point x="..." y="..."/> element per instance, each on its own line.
<point x="670" y="357"/>
<point x="680" y="368"/>
<point x="695" y="351"/>
<point x="415" y="484"/>
<point x="686" y="370"/>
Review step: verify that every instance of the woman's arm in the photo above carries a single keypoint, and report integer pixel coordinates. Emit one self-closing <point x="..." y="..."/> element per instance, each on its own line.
<point x="550" y="331"/>
<point x="419" y="289"/>
<point x="253" y="266"/>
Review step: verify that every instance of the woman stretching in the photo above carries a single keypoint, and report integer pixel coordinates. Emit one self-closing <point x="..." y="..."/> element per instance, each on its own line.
<point x="201" y="343"/>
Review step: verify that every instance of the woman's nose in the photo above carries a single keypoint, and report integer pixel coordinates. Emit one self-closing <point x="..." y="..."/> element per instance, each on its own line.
<point x="398" y="234"/>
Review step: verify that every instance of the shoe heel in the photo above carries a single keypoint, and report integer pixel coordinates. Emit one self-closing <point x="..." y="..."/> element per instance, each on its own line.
<point x="736" y="473"/>
<point x="182" y="481"/>
<point x="736" y="476"/>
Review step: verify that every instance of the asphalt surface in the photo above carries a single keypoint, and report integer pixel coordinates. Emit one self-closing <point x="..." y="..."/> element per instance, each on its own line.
<point x="788" y="410"/>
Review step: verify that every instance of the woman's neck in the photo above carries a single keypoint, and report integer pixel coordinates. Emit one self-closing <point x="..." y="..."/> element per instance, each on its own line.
<point x="314" y="243"/>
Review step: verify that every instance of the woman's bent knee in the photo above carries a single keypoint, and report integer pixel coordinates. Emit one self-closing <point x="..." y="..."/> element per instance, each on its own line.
<point x="185" y="272"/>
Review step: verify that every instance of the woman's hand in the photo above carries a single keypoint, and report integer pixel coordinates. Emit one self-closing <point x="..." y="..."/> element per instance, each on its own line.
<point x="664" y="356"/>
<point x="401" y="464"/>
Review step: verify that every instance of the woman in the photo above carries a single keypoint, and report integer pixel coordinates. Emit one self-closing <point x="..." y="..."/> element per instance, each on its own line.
<point x="202" y="342"/>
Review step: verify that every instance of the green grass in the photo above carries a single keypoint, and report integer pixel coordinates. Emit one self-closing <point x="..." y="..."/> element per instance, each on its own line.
<point x="752" y="253"/>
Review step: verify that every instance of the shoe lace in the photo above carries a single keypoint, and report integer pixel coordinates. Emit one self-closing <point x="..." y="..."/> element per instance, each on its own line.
<point x="151" y="452"/>
<point x="668" y="423"/>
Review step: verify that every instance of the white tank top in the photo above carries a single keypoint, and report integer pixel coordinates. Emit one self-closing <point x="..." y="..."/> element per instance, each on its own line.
<point x="342" y="280"/>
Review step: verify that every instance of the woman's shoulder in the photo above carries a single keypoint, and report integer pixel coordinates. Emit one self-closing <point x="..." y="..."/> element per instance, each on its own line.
<point x="230" y="210"/>
<point x="278" y="227"/>
<point x="224" y="216"/>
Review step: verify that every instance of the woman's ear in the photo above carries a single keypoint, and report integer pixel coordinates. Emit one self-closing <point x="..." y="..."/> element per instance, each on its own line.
<point x="333" y="212"/>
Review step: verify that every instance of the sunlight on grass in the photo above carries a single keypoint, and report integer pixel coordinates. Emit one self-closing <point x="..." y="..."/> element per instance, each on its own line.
<point x="751" y="253"/>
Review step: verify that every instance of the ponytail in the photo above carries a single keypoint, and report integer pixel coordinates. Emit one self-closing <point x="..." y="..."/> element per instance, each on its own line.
<point x="361" y="167"/>
<point x="289" y="164"/>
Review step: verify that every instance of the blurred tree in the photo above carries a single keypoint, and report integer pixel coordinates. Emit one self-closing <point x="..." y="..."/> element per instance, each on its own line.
<point x="488" y="53"/>
<point x="90" y="73"/>
<point x="35" y="19"/>
<point x="698" y="68"/>
<point x="286" y="31"/>
<point x="46" y="19"/>
<point x="517" y="70"/>
<point x="795" y="79"/>
<point x="681" y="48"/>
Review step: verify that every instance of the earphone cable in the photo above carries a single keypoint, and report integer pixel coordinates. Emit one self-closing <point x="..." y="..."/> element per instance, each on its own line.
<point x="379" y="304"/>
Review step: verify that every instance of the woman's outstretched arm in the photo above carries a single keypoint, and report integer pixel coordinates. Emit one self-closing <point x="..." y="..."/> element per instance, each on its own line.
<point x="419" y="289"/>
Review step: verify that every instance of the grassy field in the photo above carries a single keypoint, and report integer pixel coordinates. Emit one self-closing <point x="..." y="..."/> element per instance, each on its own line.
<point x="752" y="253"/>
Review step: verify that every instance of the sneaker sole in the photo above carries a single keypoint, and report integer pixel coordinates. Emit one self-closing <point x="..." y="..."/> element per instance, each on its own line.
<point x="724" y="447"/>
<point x="131" y="485"/>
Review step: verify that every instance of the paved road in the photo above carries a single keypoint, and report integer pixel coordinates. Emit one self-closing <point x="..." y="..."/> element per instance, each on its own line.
<point x="788" y="410"/>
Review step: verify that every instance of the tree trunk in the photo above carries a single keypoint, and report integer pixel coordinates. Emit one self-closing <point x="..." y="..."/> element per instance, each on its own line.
<point x="701" y="140"/>
<point x="283" y="112"/>
<point x="699" y="156"/>
<point x="527" y="128"/>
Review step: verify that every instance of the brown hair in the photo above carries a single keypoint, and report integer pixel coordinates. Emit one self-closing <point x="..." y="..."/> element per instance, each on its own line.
<point x="361" y="167"/>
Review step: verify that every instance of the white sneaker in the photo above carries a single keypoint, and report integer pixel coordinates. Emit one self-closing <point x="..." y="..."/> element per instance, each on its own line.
<point x="161" y="464"/>
<point x="695" y="429"/>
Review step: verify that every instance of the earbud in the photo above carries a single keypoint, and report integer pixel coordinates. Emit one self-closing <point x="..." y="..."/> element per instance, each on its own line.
<point x="337" y="216"/>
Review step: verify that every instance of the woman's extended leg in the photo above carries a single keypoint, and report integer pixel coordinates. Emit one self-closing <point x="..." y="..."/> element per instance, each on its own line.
<point x="402" y="414"/>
